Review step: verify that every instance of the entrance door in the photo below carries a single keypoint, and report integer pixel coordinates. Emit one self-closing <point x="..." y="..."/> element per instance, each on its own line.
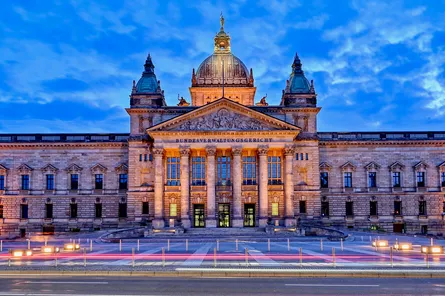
<point x="224" y="215"/>
<point x="198" y="216"/>
<point x="398" y="227"/>
<point x="249" y="215"/>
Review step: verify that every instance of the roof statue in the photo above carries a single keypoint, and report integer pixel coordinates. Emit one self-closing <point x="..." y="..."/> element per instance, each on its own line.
<point x="221" y="20"/>
<point x="263" y="102"/>
<point x="183" y="102"/>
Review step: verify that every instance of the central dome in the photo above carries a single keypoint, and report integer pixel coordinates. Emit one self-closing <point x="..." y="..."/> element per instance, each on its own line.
<point x="210" y="72"/>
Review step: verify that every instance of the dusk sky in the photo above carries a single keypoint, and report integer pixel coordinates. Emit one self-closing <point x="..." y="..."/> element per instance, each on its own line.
<point x="68" y="66"/>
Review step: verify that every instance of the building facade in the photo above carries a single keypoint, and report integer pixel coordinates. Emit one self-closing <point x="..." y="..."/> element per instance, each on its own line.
<point x="222" y="160"/>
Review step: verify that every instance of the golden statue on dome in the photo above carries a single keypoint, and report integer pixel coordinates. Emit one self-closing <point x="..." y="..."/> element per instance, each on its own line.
<point x="221" y="20"/>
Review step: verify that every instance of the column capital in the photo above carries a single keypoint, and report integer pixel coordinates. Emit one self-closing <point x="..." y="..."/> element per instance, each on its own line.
<point x="289" y="150"/>
<point x="184" y="150"/>
<point x="263" y="149"/>
<point x="237" y="150"/>
<point x="211" y="150"/>
<point x="158" y="151"/>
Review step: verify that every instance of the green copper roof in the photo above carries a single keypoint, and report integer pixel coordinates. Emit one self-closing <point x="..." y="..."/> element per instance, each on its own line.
<point x="297" y="81"/>
<point x="148" y="82"/>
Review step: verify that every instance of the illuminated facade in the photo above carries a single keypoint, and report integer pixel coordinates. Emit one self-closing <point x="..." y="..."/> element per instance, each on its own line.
<point x="222" y="161"/>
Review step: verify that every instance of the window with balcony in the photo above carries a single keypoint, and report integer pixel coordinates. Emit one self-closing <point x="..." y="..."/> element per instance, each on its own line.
<point x="98" y="181"/>
<point x="349" y="208"/>
<point x="50" y="182"/>
<point x="396" y="182"/>
<point x="145" y="208"/>
<point x="324" y="180"/>
<point x="420" y="179"/>
<point x="274" y="170"/>
<point x="325" y="209"/>
<point x="303" y="207"/>
<point x="173" y="171"/>
<point x="74" y="182"/>
<point x="97" y="210"/>
<point x="24" y="211"/>
<point x="123" y="181"/>
<point x="2" y="182"/>
<point x="373" y="208"/>
<point x="372" y="179"/>
<point x="422" y="207"/>
<point x="48" y="210"/>
<point x="223" y="168"/>
<point x="397" y="207"/>
<point x="122" y="210"/>
<point x="347" y="179"/>
<point x="25" y="182"/>
<point x="198" y="171"/>
<point x="249" y="170"/>
<point x="73" y="210"/>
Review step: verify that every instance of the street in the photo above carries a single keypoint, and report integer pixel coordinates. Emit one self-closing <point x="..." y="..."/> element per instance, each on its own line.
<point x="49" y="286"/>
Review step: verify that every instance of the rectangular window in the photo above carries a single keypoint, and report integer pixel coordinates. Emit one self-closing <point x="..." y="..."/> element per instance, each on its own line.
<point x="173" y="171"/>
<point x="349" y="208"/>
<point x="302" y="207"/>
<point x="274" y="209"/>
<point x="50" y="182"/>
<point x="98" y="210"/>
<point x="2" y="182"/>
<point x="420" y="179"/>
<point x="372" y="179"/>
<point x="198" y="171"/>
<point x="301" y="156"/>
<point x="74" y="182"/>
<point x="99" y="181"/>
<point x="325" y="209"/>
<point x="49" y="211"/>
<point x="145" y="157"/>
<point x="1" y="211"/>
<point x="307" y="156"/>
<point x="24" y="211"/>
<point x="347" y="180"/>
<point x="140" y="157"/>
<point x="224" y="170"/>
<point x="442" y="179"/>
<point x="324" y="180"/>
<point x="73" y="210"/>
<point x="249" y="170"/>
<point x="397" y="207"/>
<point x="123" y="181"/>
<point x="396" y="179"/>
<point x="25" y="182"/>
<point x="274" y="170"/>
<point x="173" y="210"/>
<point x="373" y="208"/>
<point x="296" y="156"/>
<point x="443" y="207"/>
<point x="422" y="207"/>
<point x="123" y="210"/>
<point x="145" y="208"/>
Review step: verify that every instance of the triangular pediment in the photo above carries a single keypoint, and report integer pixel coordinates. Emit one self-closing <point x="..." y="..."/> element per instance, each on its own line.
<point x="73" y="168"/>
<point x="224" y="115"/>
<point x="3" y="169"/>
<point x="324" y="166"/>
<point x="49" y="168"/>
<point x="122" y="168"/>
<point x="24" y="168"/>
<point x="98" y="168"/>
<point x="372" y="166"/>
<point x="396" y="166"/>
<point x="347" y="166"/>
<point x="420" y="166"/>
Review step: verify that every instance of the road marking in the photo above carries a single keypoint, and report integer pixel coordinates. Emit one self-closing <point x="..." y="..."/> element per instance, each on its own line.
<point x="328" y="285"/>
<point x="260" y="257"/>
<point x="58" y="282"/>
<point x="196" y="258"/>
<point x="58" y="294"/>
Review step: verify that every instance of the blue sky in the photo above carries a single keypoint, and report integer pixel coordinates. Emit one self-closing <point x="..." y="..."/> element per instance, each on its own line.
<point x="68" y="66"/>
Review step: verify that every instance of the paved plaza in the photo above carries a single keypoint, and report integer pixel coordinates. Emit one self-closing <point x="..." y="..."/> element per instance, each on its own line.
<point x="180" y="252"/>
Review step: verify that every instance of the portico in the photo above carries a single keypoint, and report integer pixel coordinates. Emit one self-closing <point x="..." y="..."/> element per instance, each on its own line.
<point x="237" y="175"/>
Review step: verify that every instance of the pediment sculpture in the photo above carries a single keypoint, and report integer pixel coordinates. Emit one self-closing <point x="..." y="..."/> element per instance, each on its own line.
<point x="223" y="119"/>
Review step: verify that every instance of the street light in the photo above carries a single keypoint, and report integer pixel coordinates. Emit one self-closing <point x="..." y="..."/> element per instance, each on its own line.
<point x="431" y="249"/>
<point x="403" y="246"/>
<point x="380" y="243"/>
<point x="50" y="249"/>
<point x="71" y="247"/>
<point x="20" y="253"/>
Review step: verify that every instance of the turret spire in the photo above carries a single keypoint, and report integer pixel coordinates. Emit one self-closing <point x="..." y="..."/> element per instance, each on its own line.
<point x="221" y="20"/>
<point x="296" y="65"/>
<point x="149" y="67"/>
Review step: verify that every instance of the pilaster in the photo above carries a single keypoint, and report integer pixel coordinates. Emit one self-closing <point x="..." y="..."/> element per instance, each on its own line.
<point x="237" y="179"/>
<point x="263" y="192"/>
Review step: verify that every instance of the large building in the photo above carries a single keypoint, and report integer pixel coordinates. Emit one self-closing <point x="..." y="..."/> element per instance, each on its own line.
<point x="223" y="160"/>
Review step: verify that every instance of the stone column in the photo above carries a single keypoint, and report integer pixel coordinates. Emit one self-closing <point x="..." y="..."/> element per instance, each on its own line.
<point x="210" y="219"/>
<point x="263" y="191"/>
<point x="289" y="186"/>
<point x="158" y="153"/>
<point x="237" y="180"/>
<point x="185" y="186"/>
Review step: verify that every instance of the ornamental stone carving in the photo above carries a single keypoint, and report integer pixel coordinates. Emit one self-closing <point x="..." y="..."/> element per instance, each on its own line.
<point x="184" y="151"/>
<point x="211" y="150"/>
<point x="263" y="149"/>
<point x="237" y="150"/>
<point x="223" y="119"/>
<point x="158" y="151"/>
<point x="289" y="150"/>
